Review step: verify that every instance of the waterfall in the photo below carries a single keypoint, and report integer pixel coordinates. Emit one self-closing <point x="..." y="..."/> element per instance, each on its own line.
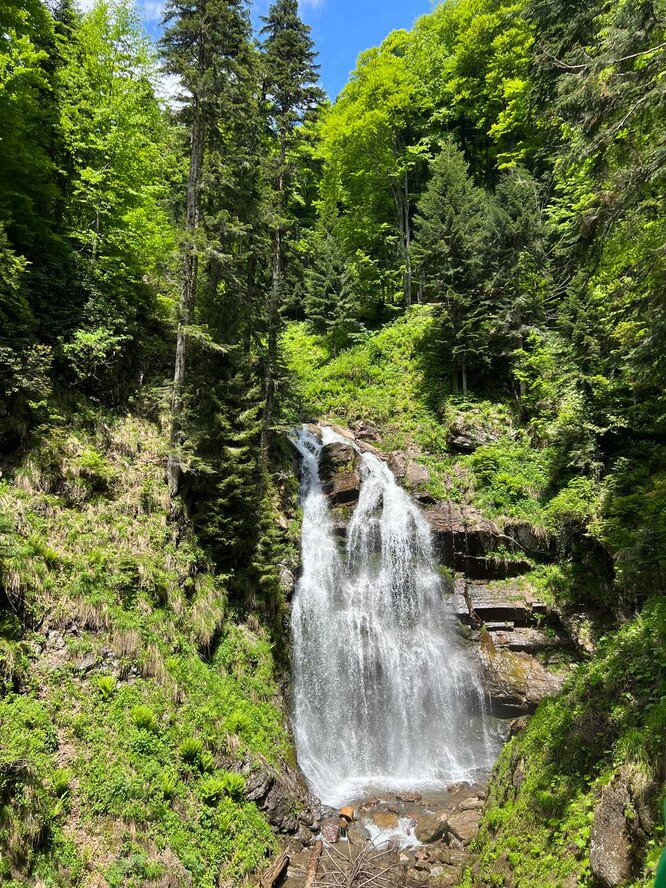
<point x="385" y="694"/>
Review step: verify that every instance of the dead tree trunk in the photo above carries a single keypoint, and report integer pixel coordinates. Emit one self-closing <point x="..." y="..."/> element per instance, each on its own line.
<point x="188" y="292"/>
<point x="313" y="865"/>
<point x="273" y="875"/>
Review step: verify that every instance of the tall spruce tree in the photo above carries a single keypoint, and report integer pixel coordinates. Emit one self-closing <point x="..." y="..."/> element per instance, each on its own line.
<point x="453" y="228"/>
<point x="205" y="45"/>
<point x="291" y="93"/>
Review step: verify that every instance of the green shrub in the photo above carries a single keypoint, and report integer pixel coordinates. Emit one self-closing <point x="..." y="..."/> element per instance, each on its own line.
<point x="60" y="781"/>
<point x="145" y="719"/>
<point x="238" y="722"/>
<point x="190" y="750"/>
<point x="107" y="686"/>
<point x="207" y="761"/>
<point x="168" y="785"/>
<point x="225" y="783"/>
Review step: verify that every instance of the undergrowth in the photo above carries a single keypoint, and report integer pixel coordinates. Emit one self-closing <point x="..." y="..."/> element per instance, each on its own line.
<point x="392" y="379"/>
<point x="610" y="723"/>
<point x="119" y="652"/>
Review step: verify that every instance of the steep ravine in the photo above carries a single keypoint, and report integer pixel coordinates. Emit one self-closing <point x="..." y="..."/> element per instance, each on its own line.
<point x="358" y="710"/>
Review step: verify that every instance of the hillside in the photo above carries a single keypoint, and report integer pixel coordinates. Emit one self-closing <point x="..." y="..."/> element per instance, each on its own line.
<point x="205" y="263"/>
<point x="139" y="705"/>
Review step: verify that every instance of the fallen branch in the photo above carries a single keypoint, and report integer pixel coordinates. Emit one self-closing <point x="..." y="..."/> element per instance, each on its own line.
<point x="313" y="864"/>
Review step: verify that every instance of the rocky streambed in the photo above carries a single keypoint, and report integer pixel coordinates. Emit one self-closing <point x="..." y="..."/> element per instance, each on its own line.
<point x="404" y="839"/>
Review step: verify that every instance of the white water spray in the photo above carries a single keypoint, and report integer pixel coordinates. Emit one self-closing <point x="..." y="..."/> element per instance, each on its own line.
<point x="385" y="695"/>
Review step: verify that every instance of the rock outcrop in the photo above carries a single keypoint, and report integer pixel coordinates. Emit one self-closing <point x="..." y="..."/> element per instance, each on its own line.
<point x="339" y="472"/>
<point x="469" y="542"/>
<point x="514" y="680"/>
<point x="280" y="794"/>
<point x="610" y="847"/>
<point x="623" y="821"/>
<point x="467" y="435"/>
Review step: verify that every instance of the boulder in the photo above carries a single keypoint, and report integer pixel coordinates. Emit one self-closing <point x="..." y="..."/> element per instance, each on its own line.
<point x="345" y="488"/>
<point x="337" y="456"/>
<point x="385" y="819"/>
<point x="467" y="433"/>
<point x="330" y="830"/>
<point x="430" y="828"/>
<point x="465" y="825"/>
<point x="357" y="833"/>
<point x="416" y="475"/>
<point x="279" y="794"/>
<point x="610" y="847"/>
<point x="452" y="856"/>
<point x="287" y="581"/>
<point x="348" y="813"/>
<point x="445" y="876"/>
<point x="366" y="431"/>
<point x="472" y="804"/>
<point x="397" y="463"/>
<point x="339" y="472"/>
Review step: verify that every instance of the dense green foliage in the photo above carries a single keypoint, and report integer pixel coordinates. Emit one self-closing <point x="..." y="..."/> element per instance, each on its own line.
<point x="501" y="164"/>
<point x="130" y="228"/>
<point x="505" y="161"/>
<point x="119" y="723"/>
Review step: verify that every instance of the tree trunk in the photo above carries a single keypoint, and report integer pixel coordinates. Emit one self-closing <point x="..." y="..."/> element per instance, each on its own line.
<point x="313" y="865"/>
<point x="408" y="244"/>
<point x="188" y="292"/>
<point x="401" y="198"/>
<point x="464" y="376"/>
<point x="274" y="310"/>
<point x="273" y="875"/>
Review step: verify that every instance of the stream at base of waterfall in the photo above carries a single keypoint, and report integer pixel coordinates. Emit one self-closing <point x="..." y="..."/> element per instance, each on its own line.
<point x="386" y="697"/>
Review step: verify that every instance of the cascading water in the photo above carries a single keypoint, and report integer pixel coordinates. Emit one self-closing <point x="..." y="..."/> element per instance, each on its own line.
<point x="385" y="695"/>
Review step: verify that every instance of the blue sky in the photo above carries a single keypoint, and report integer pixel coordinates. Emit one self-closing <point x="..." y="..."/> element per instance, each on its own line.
<point x="341" y="28"/>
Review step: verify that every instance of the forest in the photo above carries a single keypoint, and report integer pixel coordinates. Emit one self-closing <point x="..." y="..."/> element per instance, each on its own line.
<point x="199" y="251"/>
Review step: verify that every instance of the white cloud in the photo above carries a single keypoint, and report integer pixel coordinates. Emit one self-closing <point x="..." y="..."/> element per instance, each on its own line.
<point x="153" y="10"/>
<point x="169" y="88"/>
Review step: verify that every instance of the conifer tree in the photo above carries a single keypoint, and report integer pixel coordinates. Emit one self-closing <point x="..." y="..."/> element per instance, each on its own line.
<point x="291" y="92"/>
<point x="204" y="44"/>
<point x="330" y="303"/>
<point x="453" y="227"/>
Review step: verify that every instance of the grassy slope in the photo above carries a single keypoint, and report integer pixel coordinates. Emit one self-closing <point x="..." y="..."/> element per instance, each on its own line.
<point x="138" y="688"/>
<point x="393" y="379"/>
<point x="613" y="712"/>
